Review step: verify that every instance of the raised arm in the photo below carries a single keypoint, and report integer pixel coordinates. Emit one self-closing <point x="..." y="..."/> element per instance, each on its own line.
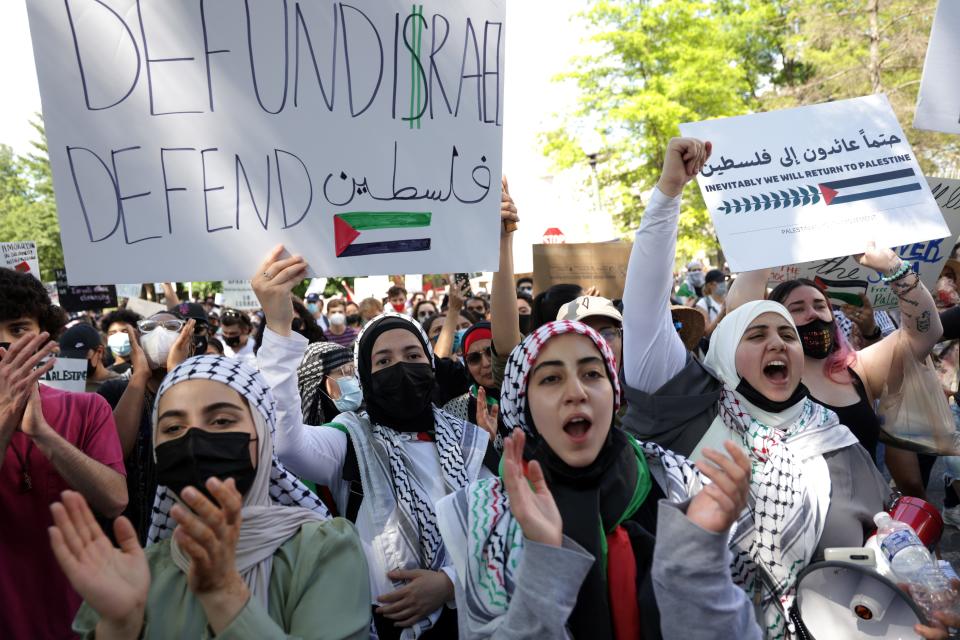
<point x="312" y="452"/>
<point x="653" y="352"/>
<point x="505" y="320"/>
<point x="444" y="346"/>
<point x="747" y="287"/>
<point x="921" y="322"/>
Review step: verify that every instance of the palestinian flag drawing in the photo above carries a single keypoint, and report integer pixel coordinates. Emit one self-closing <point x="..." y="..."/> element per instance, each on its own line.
<point x="381" y="229"/>
<point x="876" y="185"/>
<point x="843" y="291"/>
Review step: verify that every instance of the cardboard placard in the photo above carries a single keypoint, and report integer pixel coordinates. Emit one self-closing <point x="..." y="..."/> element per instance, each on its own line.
<point x="938" y="105"/>
<point x="238" y="294"/>
<point x="20" y="256"/>
<point x="811" y="183"/>
<point x="844" y="278"/>
<point x="589" y="264"/>
<point x="189" y="138"/>
<point x="85" y="298"/>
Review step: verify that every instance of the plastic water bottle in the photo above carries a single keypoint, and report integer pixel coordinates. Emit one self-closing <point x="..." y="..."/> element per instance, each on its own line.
<point x="901" y="547"/>
<point x="931" y="590"/>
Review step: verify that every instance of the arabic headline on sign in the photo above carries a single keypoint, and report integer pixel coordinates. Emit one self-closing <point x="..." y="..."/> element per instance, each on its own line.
<point x="790" y="158"/>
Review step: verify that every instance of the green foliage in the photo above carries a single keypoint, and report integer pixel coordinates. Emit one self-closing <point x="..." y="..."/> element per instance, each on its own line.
<point x="658" y="64"/>
<point x="28" y="210"/>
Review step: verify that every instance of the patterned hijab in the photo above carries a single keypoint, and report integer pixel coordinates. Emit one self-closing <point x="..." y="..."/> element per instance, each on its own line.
<point x="486" y="542"/>
<point x="320" y="360"/>
<point x="777" y="535"/>
<point x="275" y="506"/>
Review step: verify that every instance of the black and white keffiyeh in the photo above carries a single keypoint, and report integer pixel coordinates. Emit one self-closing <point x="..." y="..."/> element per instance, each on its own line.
<point x="777" y="535"/>
<point x="319" y="360"/>
<point x="395" y="495"/>
<point x="264" y="526"/>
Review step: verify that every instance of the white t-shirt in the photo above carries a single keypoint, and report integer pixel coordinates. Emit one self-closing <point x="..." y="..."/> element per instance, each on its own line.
<point x="710" y="306"/>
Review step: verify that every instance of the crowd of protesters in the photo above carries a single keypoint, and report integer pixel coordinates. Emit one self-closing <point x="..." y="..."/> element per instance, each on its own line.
<point x="504" y="464"/>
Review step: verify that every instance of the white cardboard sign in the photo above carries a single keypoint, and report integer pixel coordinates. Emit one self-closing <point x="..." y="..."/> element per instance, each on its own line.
<point x="129" y="290"/>
<point x="938" y="105"/>
<point x="188" y="138"/>
<point x="20" y="256"/>
<point x="238" y="294"/>
<point x="814" y="182"/>
<point x="68" y="374"/>
<point x="844" y="276"/>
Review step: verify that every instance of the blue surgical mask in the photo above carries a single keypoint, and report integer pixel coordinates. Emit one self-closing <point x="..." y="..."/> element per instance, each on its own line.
<point x="119" y="344"/>
<point x="458" y="339"/>
<point x="312" y="307"/>
<point x="721" y="289"/>
<point x="351" y="396"/>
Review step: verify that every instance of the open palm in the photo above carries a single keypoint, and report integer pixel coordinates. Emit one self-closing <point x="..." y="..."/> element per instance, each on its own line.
<point x="113" y="581"/>
<point x="531" y="502"/>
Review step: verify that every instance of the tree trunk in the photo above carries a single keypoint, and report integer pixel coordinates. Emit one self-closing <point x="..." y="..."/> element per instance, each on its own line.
<point x="873" y="13"/>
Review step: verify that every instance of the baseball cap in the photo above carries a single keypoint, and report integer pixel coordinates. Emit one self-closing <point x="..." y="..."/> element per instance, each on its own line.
<point x="587" y="307"/>
<point x="714" y="275"/>
<point x="190" y="311"/>
<point x="313" y="297"/>
<point x="77" y="340"/>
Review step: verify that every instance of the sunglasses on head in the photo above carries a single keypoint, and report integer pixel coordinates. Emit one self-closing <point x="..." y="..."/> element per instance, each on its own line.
<point x="146" y="326"/>
<point x="476" y="357"/>
<point x="231" y="313"/>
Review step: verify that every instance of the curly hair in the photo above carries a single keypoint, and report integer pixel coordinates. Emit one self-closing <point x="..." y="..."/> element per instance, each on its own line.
<point x="124" y="316"/>
<point x="25" y="297"/>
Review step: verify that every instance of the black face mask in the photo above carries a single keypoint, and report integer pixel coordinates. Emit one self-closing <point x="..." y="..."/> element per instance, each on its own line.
<point x="525" y="324"/>
<point x="232" y="342"/>
<point x="757" y="399"/>
<point x="402" y="392"/>
<point x="817" y="338"/>
<point x="199" y="455"/>
<point x="354" y="318"/>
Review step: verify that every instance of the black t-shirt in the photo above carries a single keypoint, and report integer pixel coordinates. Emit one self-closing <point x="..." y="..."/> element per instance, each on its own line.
<point x="141" y="469"/>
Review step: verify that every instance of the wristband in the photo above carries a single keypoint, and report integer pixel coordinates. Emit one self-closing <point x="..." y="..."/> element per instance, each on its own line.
<point x="900" y="273"/>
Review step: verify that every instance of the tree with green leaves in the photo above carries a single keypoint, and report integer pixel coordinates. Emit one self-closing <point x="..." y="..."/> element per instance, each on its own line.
<point x="658" y="64"/>
<point x="28" y="210"/>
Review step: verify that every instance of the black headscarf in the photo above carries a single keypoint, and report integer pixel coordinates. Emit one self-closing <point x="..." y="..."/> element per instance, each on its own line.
<point x="380" y="409"/>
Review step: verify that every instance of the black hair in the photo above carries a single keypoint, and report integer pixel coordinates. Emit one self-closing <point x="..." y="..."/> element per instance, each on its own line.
<point x="416" y="309"/>
<point x="25" y="297"/>
<point x="303" y="323"/>
<point x="233" y="318"/>
<point x="524" y="279"/>
<point x="486" y="304"/>
<point x="396" y="290"/>
<point x="216" y="344"/>
<point x="125" y="316"/>
<point x="428" y="322"/>
<point x="546" y="305"/>
<point x="522" y="295"/>
<point x="783" y="290"/>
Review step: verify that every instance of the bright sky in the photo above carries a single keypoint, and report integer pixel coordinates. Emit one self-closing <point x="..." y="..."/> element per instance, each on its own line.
<point x="539" y="46"/>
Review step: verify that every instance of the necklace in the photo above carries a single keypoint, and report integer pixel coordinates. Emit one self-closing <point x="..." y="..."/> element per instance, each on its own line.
<point x="26" y="482"/>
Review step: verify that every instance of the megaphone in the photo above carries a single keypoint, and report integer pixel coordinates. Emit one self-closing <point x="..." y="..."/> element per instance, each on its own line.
<point x="839" y="600"/>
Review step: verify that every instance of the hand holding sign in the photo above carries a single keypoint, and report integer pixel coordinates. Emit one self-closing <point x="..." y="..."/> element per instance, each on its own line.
<point x="275" y="279"/>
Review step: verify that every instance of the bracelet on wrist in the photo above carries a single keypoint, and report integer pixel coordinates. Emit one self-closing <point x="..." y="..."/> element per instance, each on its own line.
<point x="900" y="273"/>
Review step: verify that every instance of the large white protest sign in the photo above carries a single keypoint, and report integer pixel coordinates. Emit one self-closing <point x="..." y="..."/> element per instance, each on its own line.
<point x="813" y="182"/>
<point x="129" y="290"/>
<point x="188" y="138"/>
<point x="238" y="294"/>
<point x="68" y="374"/>
<point x="844" y="278"/>
<point x="20" y="256"/>
<point x="938" y="105"/>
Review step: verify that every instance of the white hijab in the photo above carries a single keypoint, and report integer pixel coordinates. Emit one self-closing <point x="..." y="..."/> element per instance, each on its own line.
<point x="721" y="359"/>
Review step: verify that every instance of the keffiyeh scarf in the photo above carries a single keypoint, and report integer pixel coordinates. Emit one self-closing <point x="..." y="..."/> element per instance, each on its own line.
<point x="319" y="360"/>
<point x="265" y="526"/>
<point x="399" y="503"/>
<point x="778" y="534"/>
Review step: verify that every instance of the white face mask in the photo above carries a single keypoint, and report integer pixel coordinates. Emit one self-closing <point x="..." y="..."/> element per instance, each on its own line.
<point x="156" y="346"/>
<point x="119" y="344"/>
<point x="338" y="319"/>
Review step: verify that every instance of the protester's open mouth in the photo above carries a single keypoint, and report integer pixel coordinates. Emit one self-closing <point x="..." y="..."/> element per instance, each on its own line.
<point x="577" y="427"/>
<point x="776" y="371"/>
